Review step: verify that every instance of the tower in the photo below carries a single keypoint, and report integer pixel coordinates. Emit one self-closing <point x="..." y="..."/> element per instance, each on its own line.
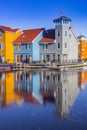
<point x="65" y="38"/>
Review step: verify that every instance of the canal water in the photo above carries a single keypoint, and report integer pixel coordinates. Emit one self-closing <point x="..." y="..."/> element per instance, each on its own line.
<point x="43" y="100"/>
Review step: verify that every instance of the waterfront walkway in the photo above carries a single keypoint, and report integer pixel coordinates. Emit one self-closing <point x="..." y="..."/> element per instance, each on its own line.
<point x="48" y="66"/>
<point x="14" y="67"/>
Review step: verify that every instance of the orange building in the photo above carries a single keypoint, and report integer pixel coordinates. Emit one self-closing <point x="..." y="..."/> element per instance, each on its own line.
<point x="82" y="48"/>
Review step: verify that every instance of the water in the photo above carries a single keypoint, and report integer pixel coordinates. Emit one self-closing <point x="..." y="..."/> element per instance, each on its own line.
<point x="43" y="100"/>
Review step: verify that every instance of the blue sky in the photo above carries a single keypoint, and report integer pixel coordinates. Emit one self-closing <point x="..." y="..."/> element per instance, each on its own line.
<point x="26" y="14"/>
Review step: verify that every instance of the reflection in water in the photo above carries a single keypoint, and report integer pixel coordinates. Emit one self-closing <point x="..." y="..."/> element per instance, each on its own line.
<point x="62" y="87"/>
<point x="40" y="87"/>
<point x="82" y="79"/>
<point x="7" y="95"/>
<point x="66" y="92"/>
<point x="27" y="86"/>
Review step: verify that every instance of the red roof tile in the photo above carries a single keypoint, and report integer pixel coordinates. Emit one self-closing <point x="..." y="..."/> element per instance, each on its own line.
<point x="49" y="36"/>
<point x="46" y="40"/>
<point x="5" y="28"/>
<point x="28" y="35"/>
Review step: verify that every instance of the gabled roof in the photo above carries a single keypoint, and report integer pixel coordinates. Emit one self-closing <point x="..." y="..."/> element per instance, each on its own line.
<point x="8" y="29"/>
<point x="61" y="18"/>
<point x="28" y="35"/>
<point x="49" y="36"/>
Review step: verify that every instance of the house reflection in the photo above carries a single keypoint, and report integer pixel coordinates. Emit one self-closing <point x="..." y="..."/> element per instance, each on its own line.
<point x="27" y="86"/>
<point x="48" y="83"/>
<point x="66" y="92"/>
<point x="19" y="87"/>
<point x="61" y="87"/>
<point x="38" y="87"/>
<point x="7" y="95"/>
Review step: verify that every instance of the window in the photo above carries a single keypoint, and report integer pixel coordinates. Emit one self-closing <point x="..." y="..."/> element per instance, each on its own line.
<point x="82" y="50"/>
<point x="1" y="58"/>
<point x="1" y="46"/>
<point x="0" y="35"/>
<point x="58" y="33"/>
<point x="70" y="35"/>
<point x="46" y="46"/>
<point x="65" y="45"/>
<point x="58" y="58"/>
<point x="58" y="45"/>
<point x="42" y="46"/>
<point x="27" y="46"/>
<point x="65" y="33"/>
<point x="54" y="57"/>
<point x="17" y="47"/>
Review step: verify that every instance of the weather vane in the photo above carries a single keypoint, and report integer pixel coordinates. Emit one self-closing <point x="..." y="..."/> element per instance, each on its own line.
<point x="61" y="13"/>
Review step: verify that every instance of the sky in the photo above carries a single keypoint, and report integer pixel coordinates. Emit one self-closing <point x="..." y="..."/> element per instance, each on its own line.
<point x="28" y="14"/>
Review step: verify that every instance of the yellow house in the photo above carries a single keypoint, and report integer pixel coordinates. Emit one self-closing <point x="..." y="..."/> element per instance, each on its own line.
<point x="7" y="36"/>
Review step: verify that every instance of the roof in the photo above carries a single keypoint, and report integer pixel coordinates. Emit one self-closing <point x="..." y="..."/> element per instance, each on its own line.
<point x="28" y="35"/>
<point x="49" y="36"/>
<point x="61" y="18"/>
<point x="81" y="36"/>
<point x="5" y="28"/>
